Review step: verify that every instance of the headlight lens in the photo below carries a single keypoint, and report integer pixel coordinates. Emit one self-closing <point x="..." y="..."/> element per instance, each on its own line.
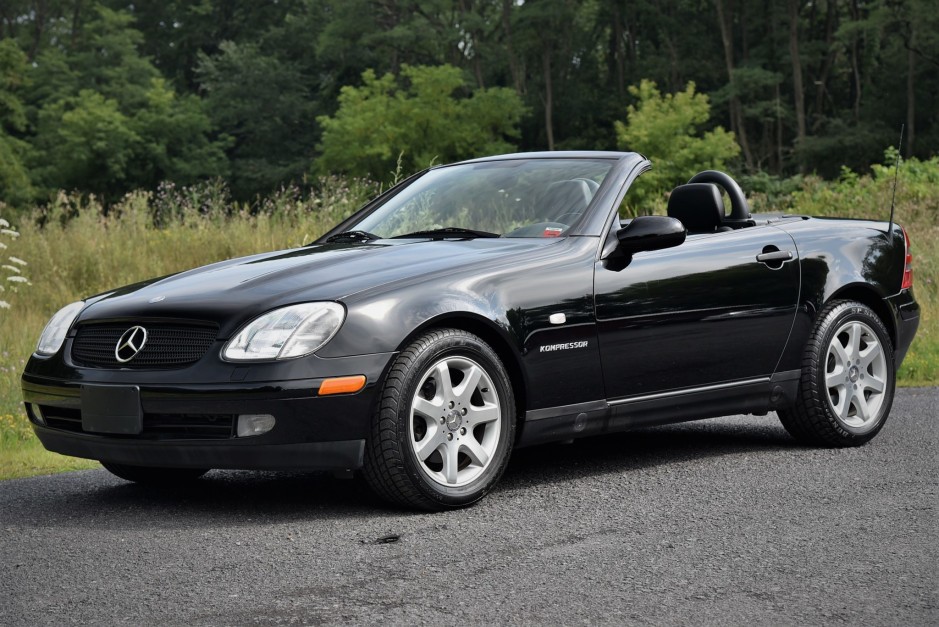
<point x="288" y="332"/>
<point x="54" y="334"/>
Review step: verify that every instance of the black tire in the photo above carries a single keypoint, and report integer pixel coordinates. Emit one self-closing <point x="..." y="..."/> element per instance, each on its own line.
<point x="837" y="403"/>
<point x="478" y="419"/>
<point x="154" y="476"/>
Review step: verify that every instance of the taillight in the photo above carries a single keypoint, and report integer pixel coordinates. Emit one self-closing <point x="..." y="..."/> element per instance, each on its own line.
<point x="907" y="263"/>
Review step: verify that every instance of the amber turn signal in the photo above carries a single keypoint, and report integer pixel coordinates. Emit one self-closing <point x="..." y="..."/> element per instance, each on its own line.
<point x="342" y="385"/>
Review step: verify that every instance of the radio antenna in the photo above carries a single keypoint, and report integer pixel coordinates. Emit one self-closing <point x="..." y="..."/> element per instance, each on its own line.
<point x="896" y="175"/>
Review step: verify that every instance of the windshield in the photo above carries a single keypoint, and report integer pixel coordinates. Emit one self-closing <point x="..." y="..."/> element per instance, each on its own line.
<point x="511" y="198"/>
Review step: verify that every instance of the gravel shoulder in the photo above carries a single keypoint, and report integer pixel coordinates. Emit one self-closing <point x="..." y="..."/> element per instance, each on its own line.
<point x="720" y="521"/>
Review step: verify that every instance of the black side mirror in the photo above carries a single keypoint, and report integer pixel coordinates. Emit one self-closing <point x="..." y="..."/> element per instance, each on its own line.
<point x="650" y="233"/>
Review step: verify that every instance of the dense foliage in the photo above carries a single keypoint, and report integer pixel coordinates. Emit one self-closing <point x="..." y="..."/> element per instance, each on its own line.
<point x="383" y="125"/>
<point x="110" y="96"/>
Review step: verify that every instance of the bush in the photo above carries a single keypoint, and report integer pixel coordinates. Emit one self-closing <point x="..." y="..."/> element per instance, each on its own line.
<point x="666" y="129"/>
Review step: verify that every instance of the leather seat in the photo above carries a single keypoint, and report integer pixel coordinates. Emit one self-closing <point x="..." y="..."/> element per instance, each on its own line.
<point x="699" y="206"/>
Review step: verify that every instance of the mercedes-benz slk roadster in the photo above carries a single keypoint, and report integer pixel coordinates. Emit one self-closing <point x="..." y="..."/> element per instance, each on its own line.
<point x="479" y="307"/>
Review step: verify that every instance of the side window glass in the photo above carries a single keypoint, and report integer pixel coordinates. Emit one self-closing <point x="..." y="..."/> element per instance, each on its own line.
<point x="640" y="200"/>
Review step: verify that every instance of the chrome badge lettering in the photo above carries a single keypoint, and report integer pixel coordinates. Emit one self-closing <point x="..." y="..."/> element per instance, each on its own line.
<point x="550" y="348"/>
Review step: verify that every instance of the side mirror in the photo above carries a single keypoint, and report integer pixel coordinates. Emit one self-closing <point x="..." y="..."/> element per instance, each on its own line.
<point x="650" y="233"/>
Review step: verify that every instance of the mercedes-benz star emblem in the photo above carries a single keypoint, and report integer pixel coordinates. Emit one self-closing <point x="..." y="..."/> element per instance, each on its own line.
<point x="131" y="343"/>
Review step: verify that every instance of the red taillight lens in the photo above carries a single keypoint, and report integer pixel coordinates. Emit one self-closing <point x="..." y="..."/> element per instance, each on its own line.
<point x="907" y="263"/>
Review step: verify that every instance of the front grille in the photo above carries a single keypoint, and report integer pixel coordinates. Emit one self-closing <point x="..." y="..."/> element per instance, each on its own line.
<point x="155" y="426"/>
<point x="168" y="345"/>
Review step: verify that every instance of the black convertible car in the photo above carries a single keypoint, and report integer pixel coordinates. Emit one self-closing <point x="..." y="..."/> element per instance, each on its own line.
<point x="478" y="307"/>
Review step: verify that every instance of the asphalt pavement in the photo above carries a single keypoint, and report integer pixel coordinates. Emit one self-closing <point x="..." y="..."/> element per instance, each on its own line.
<point x="724" y="521"/>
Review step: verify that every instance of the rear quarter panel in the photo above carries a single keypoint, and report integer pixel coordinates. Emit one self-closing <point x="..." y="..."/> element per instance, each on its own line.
<point x="842" y="258"/>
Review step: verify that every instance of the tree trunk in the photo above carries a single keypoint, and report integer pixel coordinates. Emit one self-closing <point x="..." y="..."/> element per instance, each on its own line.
<point x="478" y="69"/>
<point x="855" y="65"/>
<point x="797" y="87"/>
<point x="617" y="50"/>
<point x="737" y="123"/>
<point x="474" y="38"/>
<point x="39" y="22"/>
<point x="76" y="22"/>
<point x="779" y="132"/>
<point x="509" y="49"/>
<point x="821" y="84"/>
<point x="910" y="94"/>
<point x="548" y="97"/>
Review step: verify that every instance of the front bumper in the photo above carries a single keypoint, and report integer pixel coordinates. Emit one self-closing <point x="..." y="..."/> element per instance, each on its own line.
<point x="191" y="425"/>
<point x="339" y="455"/>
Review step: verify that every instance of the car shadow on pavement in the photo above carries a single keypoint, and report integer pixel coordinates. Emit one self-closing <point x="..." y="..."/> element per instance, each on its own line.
<point x="644" y="448"/>
<point x="244" y="497"/>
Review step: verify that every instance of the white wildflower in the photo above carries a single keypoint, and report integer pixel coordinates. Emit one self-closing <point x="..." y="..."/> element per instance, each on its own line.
<point x="2" y="245"/>
<point x="7" y="266"/>
<point x="17" y="279"/>
<point x="4" y="223"/>
<point x="4" y="304"/>
<point x="9" y="232"/>
<point x="19" y="261"/>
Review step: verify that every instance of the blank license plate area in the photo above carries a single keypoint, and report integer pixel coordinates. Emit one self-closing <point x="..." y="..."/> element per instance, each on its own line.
<point x="111" y="409"/>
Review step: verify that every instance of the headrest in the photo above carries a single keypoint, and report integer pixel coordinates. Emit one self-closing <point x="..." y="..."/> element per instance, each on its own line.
<point x="699" y="206"/>
<point x="565" y="197"/>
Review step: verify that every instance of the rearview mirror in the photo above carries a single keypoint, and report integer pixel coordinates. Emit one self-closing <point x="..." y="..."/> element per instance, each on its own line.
<point x="650" y="233"/>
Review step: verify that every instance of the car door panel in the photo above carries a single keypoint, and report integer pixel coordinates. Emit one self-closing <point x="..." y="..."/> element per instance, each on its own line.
<point x="701" y="313"/>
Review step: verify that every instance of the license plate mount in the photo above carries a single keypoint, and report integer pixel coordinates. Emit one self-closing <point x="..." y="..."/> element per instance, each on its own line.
<point x="111" y="409"/>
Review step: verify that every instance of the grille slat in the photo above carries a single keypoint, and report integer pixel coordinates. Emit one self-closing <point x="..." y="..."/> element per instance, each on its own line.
<point x="155" y="426"/>
<point x="168" y="346"/>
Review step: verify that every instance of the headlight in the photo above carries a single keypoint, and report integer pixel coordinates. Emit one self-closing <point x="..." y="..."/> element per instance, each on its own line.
<point x="54" y="334"/>
<point x="288" y="332"/>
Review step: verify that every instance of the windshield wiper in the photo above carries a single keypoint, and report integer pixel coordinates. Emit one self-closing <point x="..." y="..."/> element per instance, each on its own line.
<point x="352" y="236"/>
<point x="448" y="231"/>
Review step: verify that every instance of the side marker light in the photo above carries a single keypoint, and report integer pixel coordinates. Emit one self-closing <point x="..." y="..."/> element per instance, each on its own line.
<point x="342" y="385"/>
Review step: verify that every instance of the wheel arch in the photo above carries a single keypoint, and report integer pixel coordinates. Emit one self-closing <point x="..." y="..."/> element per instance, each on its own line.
<point x="490" y="332"/>
<point x="866" y="295"/>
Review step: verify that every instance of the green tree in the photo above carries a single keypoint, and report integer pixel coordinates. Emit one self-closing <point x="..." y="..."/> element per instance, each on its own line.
<point x="263" y="105"/>
<point x="107" y="123"/>
<point x="15" y="186"/>
<point x="86" y="143"/>
<point x="176" y="142"/>
<point x="421" y="117"/>
<point x="667" y="129"/>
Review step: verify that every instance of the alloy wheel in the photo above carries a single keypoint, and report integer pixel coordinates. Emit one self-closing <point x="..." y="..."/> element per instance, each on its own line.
<point x="856" y="375"/>
<point x="455" y="421"/>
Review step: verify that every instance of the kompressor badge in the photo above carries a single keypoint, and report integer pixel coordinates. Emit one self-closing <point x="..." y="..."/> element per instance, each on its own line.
<point x="550" y="348"/>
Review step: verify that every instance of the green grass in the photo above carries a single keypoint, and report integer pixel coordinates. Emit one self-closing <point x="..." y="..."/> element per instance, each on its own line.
<point x="21" y="454"/>
<point x="28" y="459"/>
<point x="80" y="251"/>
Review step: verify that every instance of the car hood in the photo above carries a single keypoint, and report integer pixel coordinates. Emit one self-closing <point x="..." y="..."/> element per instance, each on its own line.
<point x="230" y="292"/>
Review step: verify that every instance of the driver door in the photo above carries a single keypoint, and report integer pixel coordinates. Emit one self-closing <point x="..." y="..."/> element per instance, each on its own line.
<point x="702" y="313"/>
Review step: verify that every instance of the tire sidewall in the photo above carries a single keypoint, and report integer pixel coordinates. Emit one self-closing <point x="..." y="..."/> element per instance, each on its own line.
<point x="839" y="315"/>
<point x="462" y="345"/>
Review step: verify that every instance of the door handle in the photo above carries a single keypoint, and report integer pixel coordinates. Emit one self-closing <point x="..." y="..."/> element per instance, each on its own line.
<point x="778" y="255"/>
